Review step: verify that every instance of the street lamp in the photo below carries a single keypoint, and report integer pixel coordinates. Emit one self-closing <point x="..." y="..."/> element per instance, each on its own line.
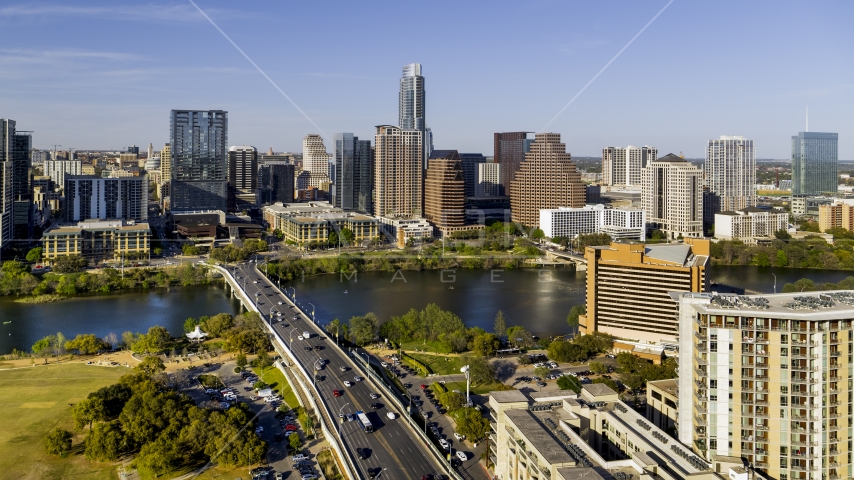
<point x="340" y="420"/>
<point x="467" y="371"/>
<point x="293" y="295"/>
<point x="775" y="283"/>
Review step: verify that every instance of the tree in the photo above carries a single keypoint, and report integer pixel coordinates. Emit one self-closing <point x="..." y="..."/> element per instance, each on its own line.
<point x="333" y="238"/>
<point x="86" y="344"/>
<point x="111" y="339"/>
<point x="294" y="441"/>
<point x="500" y="327"/>
<point x="34" y="255"/>
<point x="260" y="385"/>
<point x="59" y="342"/>
<point x="363" y="329"/>
<point x="151" y="365"/>
<point x="524" y="360"/>
<point x="593" y="240"/>
<point x="241" y="360"/>
<point x="189" y="250"/>
<point x="470" y="422"/>
<point x="574" y="313"/>
<point x="69" y="264"/>
<point x="481" y="371"/>
<point x="782" y="235"/>
<point x="542" y="372"/>
<point x="347" y="236"/>
<point x="517" y="335"/>
<point x="104" y="442"/>
<point x="157" y="338"/>
<point x="538" y="234"/>
<point x="264" y="359"/>
<point x="632" y="381"/>
<point x="44" y="346"/>
<point x="485" y="345"/>
<point x="218" y="324"/>
<point x="568" y="382"/>
<point x="190" y="325"/>
<point x="452" y="400"/>
<point x="57" y="441"/>
<point x="598" y="368"/>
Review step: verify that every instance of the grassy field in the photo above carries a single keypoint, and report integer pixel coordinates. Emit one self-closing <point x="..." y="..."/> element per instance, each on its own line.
<point x="441" y="365"/>
<point x="35" y="400"/>
<point x="274" y="377"/>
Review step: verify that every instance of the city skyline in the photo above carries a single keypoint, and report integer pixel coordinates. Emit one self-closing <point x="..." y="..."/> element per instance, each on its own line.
<point x="107" y="97"/>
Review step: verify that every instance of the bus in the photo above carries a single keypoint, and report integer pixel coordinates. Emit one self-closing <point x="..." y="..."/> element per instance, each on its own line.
<point x="364" y="422"/>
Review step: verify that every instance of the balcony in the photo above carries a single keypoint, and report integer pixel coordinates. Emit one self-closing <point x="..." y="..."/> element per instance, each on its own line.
<point x="701" y="361"/>
<point x="700" y="336"/>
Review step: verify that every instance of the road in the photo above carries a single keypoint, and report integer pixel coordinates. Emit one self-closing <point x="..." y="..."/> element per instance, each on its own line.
<point x="394" y="451"/>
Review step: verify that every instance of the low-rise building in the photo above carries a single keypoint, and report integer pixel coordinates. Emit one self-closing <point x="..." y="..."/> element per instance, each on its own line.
<point x="749" y="223"/>
<point x="662" y="400"/>
<point x="570" y="222"/>
<point x="839" y="213"/>
<point x="304" y="224"/>
<point x="404" y="229"/>
<point x="98" y="240"/>
<point x="807" y="206"/>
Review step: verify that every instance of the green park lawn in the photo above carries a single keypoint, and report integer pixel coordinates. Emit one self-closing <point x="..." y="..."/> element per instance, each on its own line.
<point x="276" y="379"/>
<point x="440" y="364"/>
<point x="477" y="389"/>
<point x="35" y="400"/>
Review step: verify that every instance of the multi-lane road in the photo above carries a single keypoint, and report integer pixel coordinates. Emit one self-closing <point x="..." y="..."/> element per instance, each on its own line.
<point x="394" y="451"/>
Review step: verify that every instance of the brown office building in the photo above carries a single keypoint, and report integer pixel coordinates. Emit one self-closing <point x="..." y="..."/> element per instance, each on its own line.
<point x="546" y="179"/>
<point x="509" y="152"/>
<point x="444" y="190"/>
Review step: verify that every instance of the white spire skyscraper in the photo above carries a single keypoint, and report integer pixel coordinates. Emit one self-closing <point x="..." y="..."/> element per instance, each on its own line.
<point x="411" y="106"/>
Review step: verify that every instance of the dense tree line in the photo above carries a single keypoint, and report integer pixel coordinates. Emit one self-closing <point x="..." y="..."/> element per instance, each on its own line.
<point x="636" y="371"/>
<point x="811" y="252"/>
<point x="581" y="347"/>
<point x="807" y="285"/>
<point x="16" y="279"/>
<point x="231" y="253"/>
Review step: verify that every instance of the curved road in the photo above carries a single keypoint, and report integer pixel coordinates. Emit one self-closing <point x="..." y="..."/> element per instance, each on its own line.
<point x="393" y="450"/>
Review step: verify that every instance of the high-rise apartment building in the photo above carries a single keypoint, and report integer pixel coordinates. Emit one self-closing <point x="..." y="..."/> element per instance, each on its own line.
<point x="629" y="285"/>
<point x="624" y="166"/>
<point x="59" y="168"/>
<point x="767" y="378"/>
<point x="815" y="163"/>
<point x="199" y="154"/>
<point x="509" y="152"/>
<point x="488" y="182"/>
<point x="412" y="106"/>
<point x="398" y="172"/>
<point x="470" y="163"/>
<point x="548" y="178"/>
<point x="7" y="172"/>
<point x="672" y="197"/>
<point x="730" y="171"/>
<point x="133" y="149"/>
<point x="276" y="180"/>
<point x="444" y="191"/>
<point x="22" y="187"/>
<point x="354" y="173"/>
<point x="242" y="176"/>
<point x="840" y="213"/>
<point x="88" y="197"/>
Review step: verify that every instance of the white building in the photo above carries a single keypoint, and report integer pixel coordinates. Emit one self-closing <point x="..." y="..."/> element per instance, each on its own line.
<point x="623" y="166"/>
<point x="673" y="197"/>
<point x="315" y="160"/>
<point x="415" y="228"/>
<point x="730" y="171"/>
<point x="488" y="183"/>
<point x="57" y="169"/>
<point x="90" y="197"/>
<point x="749" y="223"/>
<point x="569" y="222"/>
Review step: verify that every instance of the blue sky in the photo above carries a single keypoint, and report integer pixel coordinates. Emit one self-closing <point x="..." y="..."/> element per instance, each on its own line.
<point x="105" y="74"/>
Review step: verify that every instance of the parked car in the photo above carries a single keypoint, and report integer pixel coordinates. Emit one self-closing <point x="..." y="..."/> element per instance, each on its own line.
<point x="462" y="456"/>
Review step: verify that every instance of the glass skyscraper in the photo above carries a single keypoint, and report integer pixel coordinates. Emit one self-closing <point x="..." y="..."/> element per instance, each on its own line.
<point x="411" y="106"/>
<point x="199" y="160"/>
<point x="815" y="163"/>
<point x="354" y="173"/>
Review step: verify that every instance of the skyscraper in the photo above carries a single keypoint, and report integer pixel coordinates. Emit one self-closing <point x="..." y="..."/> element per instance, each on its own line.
<point x="398" y="172"/>
<point x="150" y="150"/>
<point x="672" y="196"/>
<point x="242" y="176"/>
<point x="470" y="162"/>
<point x="548" y="178"/>
<point x="730" y="171"/>
<point x="444" y="190"/>
<point x="488" y="180"/>
<point x="88" y="197"/>
<point x="22" y="186"/>
<point x="509" y="152"/>
<point x="354" y="173"/>
<point x="199" y="140"/>
<point x="315" y="160"/>
<point x="815" y="163"/>
<point x="623" y="166"/>
<point x="165" y="175"/>
<point x="411" y="106"/>
<point x="7" y="169"/>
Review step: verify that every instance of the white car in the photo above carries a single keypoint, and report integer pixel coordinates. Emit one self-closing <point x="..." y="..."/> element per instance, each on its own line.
<point x="390" y="415"/>
<point x="347" y="384"/>
<point x="444" y="443"/>
<point x="253" y="281"/>
<point x="383" y="364"/>
<point x="374" y="396"/>
<point x="280" y="303"/>
<point x="260" y="429"/>
<point x="459" y="437"/>
<point x="358" y="379"/>
<point x="462" y="456"/>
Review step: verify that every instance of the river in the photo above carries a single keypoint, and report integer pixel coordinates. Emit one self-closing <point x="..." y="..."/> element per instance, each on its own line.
<point x="537" y="299"/>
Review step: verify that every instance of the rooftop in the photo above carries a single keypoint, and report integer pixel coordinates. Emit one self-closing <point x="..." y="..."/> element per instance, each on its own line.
<point x="578" y="473"/>
<point x="671" y="386"/>
<point x="674" y="253"/>
<point x="539" y="437"/>
<point x="508" y="396"/>
<point x="598" y="389"/>
<point x="826" y="305"/>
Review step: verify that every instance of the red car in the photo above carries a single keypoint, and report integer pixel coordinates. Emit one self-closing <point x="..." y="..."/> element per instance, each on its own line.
<point x="336" y="393"/>
<point x="423" y="387"/>
<point x="291" y="428"/>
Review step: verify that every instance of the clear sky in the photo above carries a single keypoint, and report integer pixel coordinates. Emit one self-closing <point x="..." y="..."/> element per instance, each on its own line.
<point x="105" y="74"/>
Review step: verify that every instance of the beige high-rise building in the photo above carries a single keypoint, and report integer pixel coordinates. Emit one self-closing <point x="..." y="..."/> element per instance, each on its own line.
<point x="624" y="166"/>
<point x="672" y="196"/>
<point x="398" y="172"/>
<point x="767" y="378"/>
<point x="838" y="214"/>
<point x="547" y="178"/>
<point x="444" y="190"/>
<point x="316" y="160"/>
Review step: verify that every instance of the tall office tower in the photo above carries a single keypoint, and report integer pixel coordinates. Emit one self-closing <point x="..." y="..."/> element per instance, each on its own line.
<point x="88" y="196"/>
<point x="623" y="166"/>
<point x="133" y="149"/>
<point x="815" y="163"/>
<point x="150" y="151"/>
<point x="275" y="182"/>
<point x="242" y="176"/>
<point x="510" y="149"/>
<point x="548" y="178"/>
<point x="315" y="160"/>
<point x="7" y="174"/>
<point x="22" y="186"/>
<point x="398" y="172"/>
<point x="488" y="182"/>
<point x="767" y="379"/>
<point x="199" y="140"/>
<point x="470" y="162"/>
<point x="672" y="196"/>
<point x="411" y="106"/>
<point x="353" y="173"/>
<point x="730" y="170"/>
<point x="445" y="191"/>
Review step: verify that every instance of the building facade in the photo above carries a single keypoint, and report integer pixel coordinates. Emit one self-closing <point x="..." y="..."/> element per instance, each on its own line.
<point x="98" y="241"/>
<point x="398" y="174"/>
<point x="308" y="224"/>
<point x="412" y="107"/>
<point x="509" y="152"/>
<point x="570" y="222"/>
<point x="444" y="191"/>
<point x="471" y="162"/>
<point x="352" y="188"/>
<point x="624" y="166"/>
<point x="315" y="160"/>
<point x="242" y="176"/>
<point x="91" y="197"/>
<point x="547" y="178"/>
<point x="672" y="197"/>
<point x="749" y="223"/>
<point x="629" y="285"/>
<point x="662" y="401"/>
<point x="768" y="379"/>
<point x="730" y="171"/>
<point x="815" y="163"/>
<point x="839" y="214"/>
<point x="58" y="169"/>
<point x="488" y="182"/>
<point x="199" y="154"/>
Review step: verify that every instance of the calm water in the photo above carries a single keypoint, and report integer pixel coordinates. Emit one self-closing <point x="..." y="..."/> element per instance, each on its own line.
<point x="537" y="299"/>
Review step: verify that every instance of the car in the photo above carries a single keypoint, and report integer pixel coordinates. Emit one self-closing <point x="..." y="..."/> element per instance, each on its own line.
<point x="306" y="334"/>
<point x="253" y="281"/>
<point x="299" y="337"/>
<point x="279" y="476"/>
<point x="358" y="379"/>
<point x="383" y="364"/>
<point x="375" y="406"/>
<point x="347" y="383"/>
<point x="349" y="417"/>
<point x="374" y="396"/>
<point x="308" y="349"/>
<point x="390" y="415"/>
<point x="259" y="429"/>
<point x="343" y="369"/>
<point x="363" y="454"/>
<point x="318" y="347"/>
<point x="444" y="443"/>
<point x="336" y="393"/>
<point x="423" y="387"/>
<point x="291" y="428"/>
<point x="280" y="303"/>
<point x="462" y="456"/>
<point x="541" y="384"/>
<point x="298" y="458"/>
<point x="459" y="437"/>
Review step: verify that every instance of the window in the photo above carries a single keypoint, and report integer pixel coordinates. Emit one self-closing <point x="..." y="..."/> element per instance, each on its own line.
<point x="784" y="352"/>
<point x="713" y="384"/>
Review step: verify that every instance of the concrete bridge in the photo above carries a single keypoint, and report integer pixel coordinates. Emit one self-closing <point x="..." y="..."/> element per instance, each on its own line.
<point x="579" y="260"/>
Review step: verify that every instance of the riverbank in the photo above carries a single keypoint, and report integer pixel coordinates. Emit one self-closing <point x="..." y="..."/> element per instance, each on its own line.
<point x="36" y="299"/>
